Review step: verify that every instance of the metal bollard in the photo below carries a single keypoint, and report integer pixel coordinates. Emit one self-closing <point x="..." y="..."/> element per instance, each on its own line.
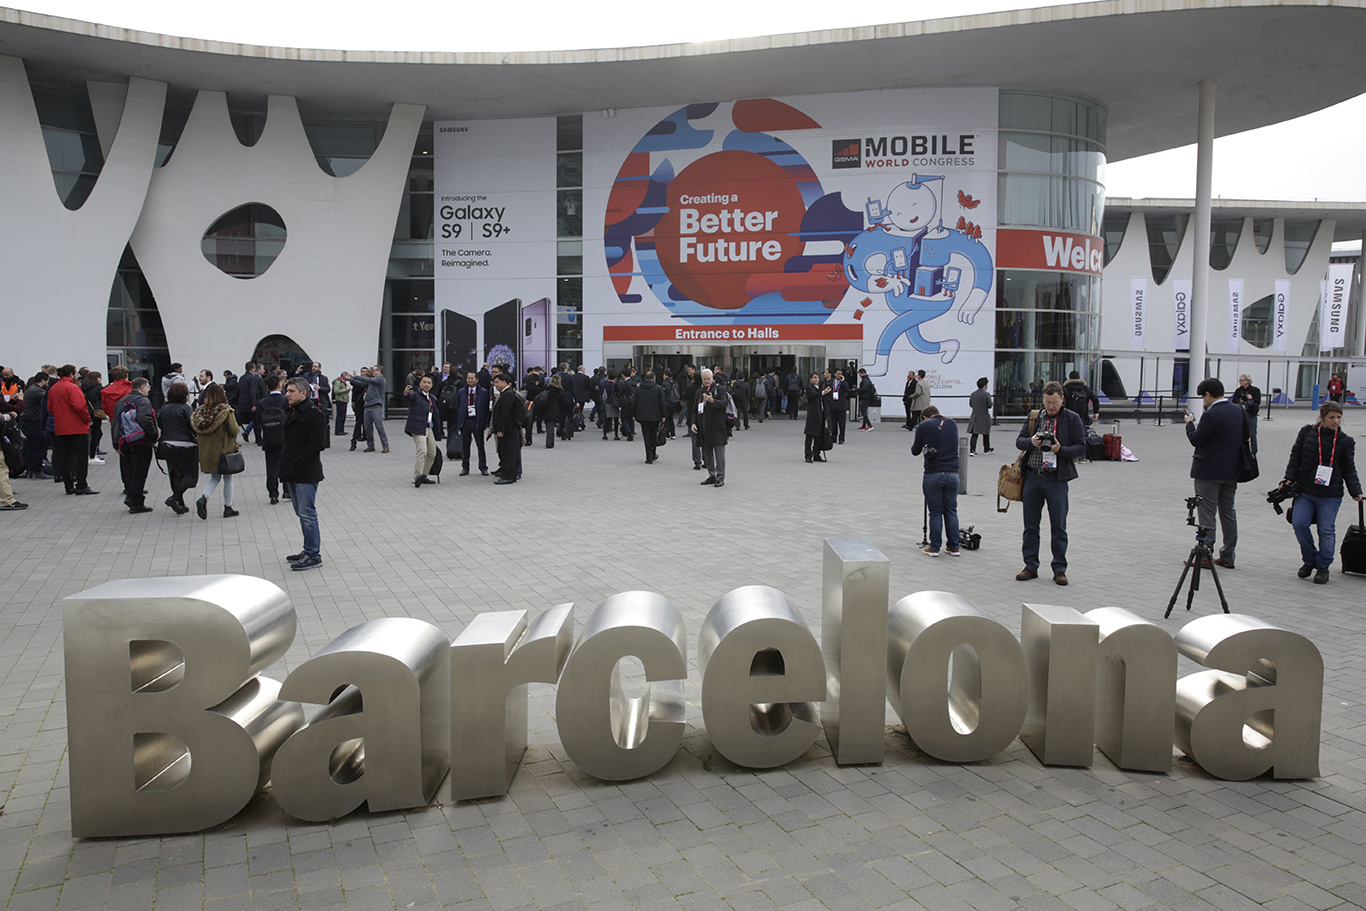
<point x="962" y="466"/>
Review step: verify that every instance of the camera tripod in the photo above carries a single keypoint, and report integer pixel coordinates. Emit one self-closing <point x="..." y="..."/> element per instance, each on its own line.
<point x="1201" y="557"/>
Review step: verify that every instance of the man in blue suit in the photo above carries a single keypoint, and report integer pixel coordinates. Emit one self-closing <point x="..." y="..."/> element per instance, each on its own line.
<point x="471" y="420"/>
<point x="1220" y="458"/>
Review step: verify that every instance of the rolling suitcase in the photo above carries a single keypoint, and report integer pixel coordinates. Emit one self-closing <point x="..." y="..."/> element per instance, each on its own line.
<point x="1353" y="550"/>
<point x="1113" y="442"/>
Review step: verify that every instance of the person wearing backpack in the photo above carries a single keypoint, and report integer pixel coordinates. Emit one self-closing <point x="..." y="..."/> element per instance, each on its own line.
<point x="759" y="389"/>
<point x="271" y="413"/>
<point x="1077" y="396"/>
<point x="626" y="401"/>
<point x="135" y="431"/>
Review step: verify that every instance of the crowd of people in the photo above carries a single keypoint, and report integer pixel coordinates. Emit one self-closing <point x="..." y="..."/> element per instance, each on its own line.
<point x="52" y="427"/>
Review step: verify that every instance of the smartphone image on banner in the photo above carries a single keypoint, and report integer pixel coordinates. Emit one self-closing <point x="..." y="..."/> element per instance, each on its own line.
<point x="460" y="342"/>
<point x="536" y="351"/>
<point x="503" y="336"/>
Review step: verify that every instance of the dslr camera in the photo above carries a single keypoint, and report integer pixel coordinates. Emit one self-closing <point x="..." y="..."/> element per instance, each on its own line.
<point x="929" y="452"/>
<point x="1046" y="439"/>
<point x="1281" y="494"/>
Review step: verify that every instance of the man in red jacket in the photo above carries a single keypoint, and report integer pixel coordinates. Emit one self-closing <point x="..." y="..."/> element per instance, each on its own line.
<point x="71" y="424"/>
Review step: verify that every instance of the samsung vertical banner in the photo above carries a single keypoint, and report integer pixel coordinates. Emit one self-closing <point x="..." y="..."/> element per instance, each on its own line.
<point x="495" y="230"/>
<point x="1235" y="313"/>
<point x="854" y="226"/>
<point x="1280" y="312"/>
<point x="1181" y="314"/>
<point x="1138" y="320"/>
<point x="1333" y="307"/>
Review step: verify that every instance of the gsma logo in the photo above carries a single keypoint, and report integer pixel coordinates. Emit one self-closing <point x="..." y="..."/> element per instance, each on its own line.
<point x="846" y="153"/>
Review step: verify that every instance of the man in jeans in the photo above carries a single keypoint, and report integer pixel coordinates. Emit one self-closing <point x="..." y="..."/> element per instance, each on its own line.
<point x="937" y="437"/>
<point x="374" y="407"/>
<point x="301" y="468"/>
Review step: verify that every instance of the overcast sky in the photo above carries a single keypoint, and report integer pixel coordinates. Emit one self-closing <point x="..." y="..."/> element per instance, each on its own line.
<point x="1330" y="171"/>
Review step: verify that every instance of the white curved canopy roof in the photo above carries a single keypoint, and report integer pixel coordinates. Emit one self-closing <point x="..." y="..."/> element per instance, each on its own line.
<point x="1141" y="59"/>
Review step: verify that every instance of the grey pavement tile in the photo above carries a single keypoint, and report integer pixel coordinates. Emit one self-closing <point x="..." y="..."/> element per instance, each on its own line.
<point x="913" y="833"/>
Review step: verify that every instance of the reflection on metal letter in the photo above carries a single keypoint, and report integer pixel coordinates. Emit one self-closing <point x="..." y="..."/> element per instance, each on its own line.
<point x="1261" y="706"/>
<point x="169" y="727"/>
<point x="1060" y="649"/>
<point x="762" y="675"/>
<point x="981" y="711"/>
<point x="605" y="733"/>
<point x="1135" y="690"/>
<point x="492" y="661"/>
<point x="853" y="630"/>
<point x="381" y="738"/>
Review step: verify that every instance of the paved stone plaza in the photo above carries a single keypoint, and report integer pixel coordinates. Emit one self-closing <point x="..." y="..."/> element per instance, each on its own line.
<point x="589" y="520"/>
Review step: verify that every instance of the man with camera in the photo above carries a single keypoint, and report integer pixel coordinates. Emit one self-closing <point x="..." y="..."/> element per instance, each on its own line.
<point x="1219" y="461"/>
<point x="1052" y="440"/>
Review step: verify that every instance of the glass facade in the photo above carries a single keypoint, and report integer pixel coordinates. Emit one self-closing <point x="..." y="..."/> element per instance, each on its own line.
<point x="1052" y="158"/>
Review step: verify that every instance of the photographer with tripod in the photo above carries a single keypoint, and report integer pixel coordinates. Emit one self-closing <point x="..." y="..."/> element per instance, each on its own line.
<point x="1221" y="457"/>
<point x="1322" y="460"/>
<point x="937" y="437"/>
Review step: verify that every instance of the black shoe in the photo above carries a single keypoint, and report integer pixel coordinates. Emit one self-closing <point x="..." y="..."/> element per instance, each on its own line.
<point x="484" y="472"/>
<point x="504" y="481"/>
<point x="307" y="561"/>
<point x="201" y="507"/>
<point x="427" y="480"/>
<point x="295" y="558"/>
<point x="711" y="480"/>
<point x="1305" y="571"/>
<point x="353" y="445"/>
<point x="230" y="513"/>
<point x="284" y="496"/>
<point x="16" y="505"/>
<point x="808" y="460"/>
<point x="274" y="501"/>
<point x="138" y="510"/>
<point x="84" y="492"/>
<point x="1321" y="576"/>
<point x="417" y="481"/>
<point x="720" y="483"/>
<point x="697" y="467"/>
<point x="464" y="471"/>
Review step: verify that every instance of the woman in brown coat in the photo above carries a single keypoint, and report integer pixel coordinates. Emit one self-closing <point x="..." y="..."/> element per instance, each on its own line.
<point x="217" y="430"/>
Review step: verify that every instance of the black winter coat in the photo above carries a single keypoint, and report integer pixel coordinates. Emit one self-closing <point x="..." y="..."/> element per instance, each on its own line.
<point x="305" y="438"/>
<point x="1304" y="461"/>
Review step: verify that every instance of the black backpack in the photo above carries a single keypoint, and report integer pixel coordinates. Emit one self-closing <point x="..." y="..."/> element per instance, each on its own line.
<point x="273" y="429"/>
<point x="1077" y="398"/>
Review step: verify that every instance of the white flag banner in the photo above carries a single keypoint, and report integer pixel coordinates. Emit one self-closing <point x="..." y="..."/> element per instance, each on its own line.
<point x="1235" y="313"/>
<point x="1181" y="314"/>
<point x="1138" y="297"/>
<point x="1333" y="307"/>
<point x="1280" y="310"/>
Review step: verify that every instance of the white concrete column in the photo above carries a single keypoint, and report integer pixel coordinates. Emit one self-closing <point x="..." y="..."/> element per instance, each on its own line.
<point x="1204" y="170"/>
<point x="1359" y="342"/>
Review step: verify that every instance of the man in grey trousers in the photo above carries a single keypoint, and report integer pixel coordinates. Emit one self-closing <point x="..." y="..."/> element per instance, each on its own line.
<point x="374" y="407"/>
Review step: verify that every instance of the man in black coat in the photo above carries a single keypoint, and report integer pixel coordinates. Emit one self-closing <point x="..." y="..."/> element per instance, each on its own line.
<point x="301" y="468"/>
<point x="136" y="458"/>
<point x="1219" y="461"/>
<point x="505" y="422"/>
<point x="251" y="388"/>
<point x="708" y="421"/>
<point x="839" y="406"/>
<point x="471" y="416"/>
<point x="650" y="410"/>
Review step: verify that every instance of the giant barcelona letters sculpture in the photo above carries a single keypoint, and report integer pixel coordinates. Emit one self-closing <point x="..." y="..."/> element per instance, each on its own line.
<point x="173" y="728"/>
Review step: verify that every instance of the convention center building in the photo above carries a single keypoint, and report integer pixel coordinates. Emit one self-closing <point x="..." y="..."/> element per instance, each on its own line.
<point x="914" y="196"/>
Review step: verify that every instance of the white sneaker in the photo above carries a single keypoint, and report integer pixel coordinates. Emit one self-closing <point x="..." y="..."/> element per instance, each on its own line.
<point x="972" y="455"/>
<point x="96" y="461"/>
<point x="929" y="551"/>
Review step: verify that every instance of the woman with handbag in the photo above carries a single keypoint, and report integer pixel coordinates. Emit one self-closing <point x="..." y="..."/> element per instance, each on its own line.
<point x="217" y="431"/>
<point x="178" y="446"/>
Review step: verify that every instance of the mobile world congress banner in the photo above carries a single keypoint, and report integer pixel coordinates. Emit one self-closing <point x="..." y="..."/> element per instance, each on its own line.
<point x="866" y="216"/>
<point x="494" y="243"/>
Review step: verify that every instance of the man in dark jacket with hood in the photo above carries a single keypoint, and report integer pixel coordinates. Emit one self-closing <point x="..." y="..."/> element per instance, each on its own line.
<point x="301" y="468"/>
<point x="650" y="408"/>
